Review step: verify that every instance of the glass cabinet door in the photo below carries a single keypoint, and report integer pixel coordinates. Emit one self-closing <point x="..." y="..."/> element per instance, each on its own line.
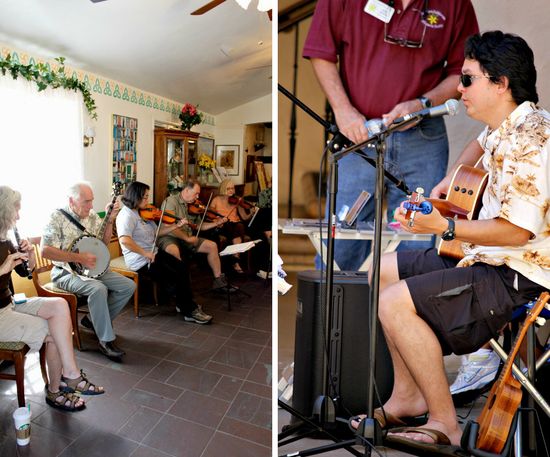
<point x="174" y="162"/>
<point x="192" y="158"/>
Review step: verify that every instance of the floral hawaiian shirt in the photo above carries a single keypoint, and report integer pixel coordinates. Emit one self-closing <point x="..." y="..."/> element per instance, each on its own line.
<point x="61" y="232"/>
<point x="516" y="157"/>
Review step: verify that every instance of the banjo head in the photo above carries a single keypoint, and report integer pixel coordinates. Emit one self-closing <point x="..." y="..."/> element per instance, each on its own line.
<point x="93" y="246"/>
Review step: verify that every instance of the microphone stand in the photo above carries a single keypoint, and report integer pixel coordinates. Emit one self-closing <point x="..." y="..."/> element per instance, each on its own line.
<point x="369" y="433"/>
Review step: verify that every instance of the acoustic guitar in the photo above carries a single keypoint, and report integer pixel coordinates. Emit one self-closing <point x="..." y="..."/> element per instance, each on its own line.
<point x="505" y="396"/>
<point x="463" y="201"/>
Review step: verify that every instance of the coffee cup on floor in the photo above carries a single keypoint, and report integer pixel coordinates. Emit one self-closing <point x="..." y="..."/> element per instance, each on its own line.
<point x="22" y="420"/>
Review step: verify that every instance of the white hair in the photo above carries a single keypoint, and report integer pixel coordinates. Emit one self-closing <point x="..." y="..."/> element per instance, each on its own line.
<point x="75" y="190"/>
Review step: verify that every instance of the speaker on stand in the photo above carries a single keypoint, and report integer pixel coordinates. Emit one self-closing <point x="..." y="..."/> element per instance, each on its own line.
<point x="347" y="347"/>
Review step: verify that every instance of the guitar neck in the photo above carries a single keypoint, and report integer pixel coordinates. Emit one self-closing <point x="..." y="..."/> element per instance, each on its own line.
<point x="103" y="226"/>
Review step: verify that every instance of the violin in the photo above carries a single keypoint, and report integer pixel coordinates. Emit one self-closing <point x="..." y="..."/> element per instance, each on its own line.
<point x="152" y="213"/>
<point x="198" y="209"/>
<point x="239" y="201"/>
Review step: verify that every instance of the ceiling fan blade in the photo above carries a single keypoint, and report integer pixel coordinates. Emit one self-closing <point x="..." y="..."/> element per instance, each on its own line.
<point x="205" y="8"/>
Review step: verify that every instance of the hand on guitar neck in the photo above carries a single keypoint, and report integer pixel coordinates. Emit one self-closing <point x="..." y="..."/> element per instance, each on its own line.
<point x="417" y="217"/>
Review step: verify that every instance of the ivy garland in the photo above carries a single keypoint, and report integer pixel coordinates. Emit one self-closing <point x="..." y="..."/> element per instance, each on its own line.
<point x="44" y="77"/>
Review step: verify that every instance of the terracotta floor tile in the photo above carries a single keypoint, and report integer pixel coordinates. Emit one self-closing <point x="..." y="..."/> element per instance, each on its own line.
<point x="202" y="409"/>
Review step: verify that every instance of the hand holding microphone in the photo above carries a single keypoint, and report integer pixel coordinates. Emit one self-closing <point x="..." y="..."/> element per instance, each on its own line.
<point x="450" y="107"/>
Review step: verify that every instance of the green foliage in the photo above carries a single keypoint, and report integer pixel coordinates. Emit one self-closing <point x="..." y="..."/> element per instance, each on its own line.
<point x="43" y="76"/>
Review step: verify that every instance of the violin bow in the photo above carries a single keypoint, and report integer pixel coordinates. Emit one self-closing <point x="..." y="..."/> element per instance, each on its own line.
<point x="254" y="216"/>
<point x="204" y="215"/>
<point x="162" y="208"/>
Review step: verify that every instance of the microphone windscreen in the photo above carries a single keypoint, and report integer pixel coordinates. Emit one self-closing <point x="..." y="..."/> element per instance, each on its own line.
<point x="452" y="106"/>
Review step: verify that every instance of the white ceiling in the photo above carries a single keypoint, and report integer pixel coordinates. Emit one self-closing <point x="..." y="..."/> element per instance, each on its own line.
<point x="219" y="60"/>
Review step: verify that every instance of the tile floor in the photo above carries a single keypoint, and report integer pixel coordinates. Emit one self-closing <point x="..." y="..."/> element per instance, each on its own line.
<point x="183" y="389"/>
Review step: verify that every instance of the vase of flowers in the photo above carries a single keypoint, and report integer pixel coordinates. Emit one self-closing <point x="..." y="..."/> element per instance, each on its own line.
<point x="205" y="164"/>
<point x="190" y="116"/>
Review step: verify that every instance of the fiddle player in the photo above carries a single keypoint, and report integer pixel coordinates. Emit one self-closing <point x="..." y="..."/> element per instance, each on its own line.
<point x="137" y="239"/>
<point x="447" y="305"/>
<point x="181" y="241"/>
<point x="106" y="295"/>
<point x="235" y="213"/>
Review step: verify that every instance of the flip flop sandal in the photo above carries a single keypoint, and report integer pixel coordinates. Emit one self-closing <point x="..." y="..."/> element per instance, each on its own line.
<point x="439" y="438"/>
<point x="64" y="401"/>
<point x="72" y="385"/>
<point x="387" y="420"/>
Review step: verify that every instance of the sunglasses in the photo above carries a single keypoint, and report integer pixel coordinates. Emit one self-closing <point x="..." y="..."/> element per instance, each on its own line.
<point x="467" y="80"/>
<point x="405" y="42"/>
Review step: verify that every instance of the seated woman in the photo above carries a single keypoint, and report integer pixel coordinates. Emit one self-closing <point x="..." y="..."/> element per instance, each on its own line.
<point x="226" y="204"/>
<point x="39" y="320"/>
<point x="137" y="239"/>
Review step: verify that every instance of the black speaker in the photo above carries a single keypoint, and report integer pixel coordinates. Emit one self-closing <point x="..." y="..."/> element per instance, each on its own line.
<point x="346" y="348"/>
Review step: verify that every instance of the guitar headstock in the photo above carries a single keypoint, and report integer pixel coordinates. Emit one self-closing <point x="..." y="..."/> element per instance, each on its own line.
<point x="413" y="200"/>
<point x="537" y="308"/>
<point x="117" y="188"/>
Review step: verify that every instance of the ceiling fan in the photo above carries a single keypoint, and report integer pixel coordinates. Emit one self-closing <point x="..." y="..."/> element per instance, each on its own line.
<point x="213" y="3"/>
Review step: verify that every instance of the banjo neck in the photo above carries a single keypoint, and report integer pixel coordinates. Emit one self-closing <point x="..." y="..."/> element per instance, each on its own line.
<point x="103" y="226"/>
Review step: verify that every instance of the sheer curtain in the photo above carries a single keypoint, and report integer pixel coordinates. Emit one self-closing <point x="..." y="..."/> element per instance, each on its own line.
<point x="40" y="147"/>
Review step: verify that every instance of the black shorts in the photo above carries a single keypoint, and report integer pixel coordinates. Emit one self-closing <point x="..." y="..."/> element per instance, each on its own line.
<point x="465" y="307"/>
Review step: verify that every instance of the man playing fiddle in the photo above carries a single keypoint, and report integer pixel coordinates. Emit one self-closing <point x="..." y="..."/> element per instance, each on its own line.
<point x="182" y="241"/>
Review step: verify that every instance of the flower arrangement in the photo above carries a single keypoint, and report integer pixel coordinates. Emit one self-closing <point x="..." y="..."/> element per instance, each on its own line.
<point x="189" y="116"/>
<point x="205" y="162"/>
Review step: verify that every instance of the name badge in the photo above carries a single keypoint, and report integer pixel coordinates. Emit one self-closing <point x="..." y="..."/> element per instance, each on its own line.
<point x="379" y="10"/>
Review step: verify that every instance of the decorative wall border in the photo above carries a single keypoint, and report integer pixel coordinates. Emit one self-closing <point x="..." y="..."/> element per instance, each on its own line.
<point x="109" y="87"/>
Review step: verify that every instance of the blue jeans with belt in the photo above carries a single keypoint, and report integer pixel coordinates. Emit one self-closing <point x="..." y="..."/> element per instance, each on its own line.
<point x="419" y="156"/>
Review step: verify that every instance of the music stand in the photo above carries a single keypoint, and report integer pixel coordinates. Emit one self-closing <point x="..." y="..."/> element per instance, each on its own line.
<point x="369" y="433"/>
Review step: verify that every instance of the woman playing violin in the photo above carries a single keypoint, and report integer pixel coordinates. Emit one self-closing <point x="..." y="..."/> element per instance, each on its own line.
<point x="137" y="239"/>
<point x="181" y="241"/>
<point x="233" y="209"/>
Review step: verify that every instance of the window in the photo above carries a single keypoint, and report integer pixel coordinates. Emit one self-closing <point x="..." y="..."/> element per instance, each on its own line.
<point x="40" y="147"/>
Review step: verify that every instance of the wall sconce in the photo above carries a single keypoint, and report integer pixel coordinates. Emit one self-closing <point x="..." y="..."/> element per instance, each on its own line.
<point x="89" y="137"/>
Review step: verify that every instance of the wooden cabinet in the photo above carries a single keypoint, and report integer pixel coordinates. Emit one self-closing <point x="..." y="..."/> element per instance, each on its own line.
<point x="175" y="157"/>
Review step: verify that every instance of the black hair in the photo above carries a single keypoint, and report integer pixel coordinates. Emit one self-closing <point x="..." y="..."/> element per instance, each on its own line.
<point x="134" y="194"/>
<point x="504" y="54"/>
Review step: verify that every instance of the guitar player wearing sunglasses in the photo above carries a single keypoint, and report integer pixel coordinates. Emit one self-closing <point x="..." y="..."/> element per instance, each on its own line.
<point x="457" y="304"/>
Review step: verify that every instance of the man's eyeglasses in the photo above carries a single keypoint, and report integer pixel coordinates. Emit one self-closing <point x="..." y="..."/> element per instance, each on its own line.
<point x="404" y="42"/>
<point x="467" y="80"/>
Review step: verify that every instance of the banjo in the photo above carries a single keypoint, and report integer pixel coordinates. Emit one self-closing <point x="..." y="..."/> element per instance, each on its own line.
<point x="94" y="244"/>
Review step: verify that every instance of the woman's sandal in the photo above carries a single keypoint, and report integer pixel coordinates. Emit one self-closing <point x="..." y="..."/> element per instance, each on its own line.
<point x="65" y="401"/>
<point x="80" y="385"/>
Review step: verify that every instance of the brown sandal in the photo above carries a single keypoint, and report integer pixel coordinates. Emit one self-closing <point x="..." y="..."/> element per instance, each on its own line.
<point x="74" y="385"/>
<point x="65" y="401"/>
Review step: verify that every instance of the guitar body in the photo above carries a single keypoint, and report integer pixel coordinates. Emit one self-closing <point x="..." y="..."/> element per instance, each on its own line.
<point x="505" y="396"/>
<point x="465" y="191"/>
<point x="497" y="415"/>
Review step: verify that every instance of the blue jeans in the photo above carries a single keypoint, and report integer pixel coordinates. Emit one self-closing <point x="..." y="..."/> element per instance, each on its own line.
<point x="419" y="156"/>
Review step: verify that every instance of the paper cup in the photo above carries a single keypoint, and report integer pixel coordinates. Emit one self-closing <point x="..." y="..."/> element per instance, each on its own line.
<point x="22" y="420"/>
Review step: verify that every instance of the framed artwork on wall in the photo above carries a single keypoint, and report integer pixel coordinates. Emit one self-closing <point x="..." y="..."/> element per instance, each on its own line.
<point x="124" y="149"/>
<point x="206" y="146"/>
<point x="227" y="156"/>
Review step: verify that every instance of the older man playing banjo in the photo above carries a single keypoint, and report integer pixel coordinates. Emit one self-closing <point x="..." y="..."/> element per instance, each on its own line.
<point x="76" y="240"/>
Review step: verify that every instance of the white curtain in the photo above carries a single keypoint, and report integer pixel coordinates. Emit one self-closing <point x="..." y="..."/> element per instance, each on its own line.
<point x="41" y="149"/>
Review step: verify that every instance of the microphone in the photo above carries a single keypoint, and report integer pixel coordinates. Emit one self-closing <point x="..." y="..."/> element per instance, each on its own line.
<point x="450" y="107"/>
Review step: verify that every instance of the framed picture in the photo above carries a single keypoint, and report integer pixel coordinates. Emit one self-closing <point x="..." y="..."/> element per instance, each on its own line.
<point x="205" y="146"/>
<point x="228" y="158"/>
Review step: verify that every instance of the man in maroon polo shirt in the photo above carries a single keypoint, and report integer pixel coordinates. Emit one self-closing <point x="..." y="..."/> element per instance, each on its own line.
<point x="370" y="68"/>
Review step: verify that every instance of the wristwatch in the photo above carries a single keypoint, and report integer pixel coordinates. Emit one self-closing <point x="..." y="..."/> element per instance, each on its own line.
<point x="449" y="234"/>
<point x="426" y="103"/>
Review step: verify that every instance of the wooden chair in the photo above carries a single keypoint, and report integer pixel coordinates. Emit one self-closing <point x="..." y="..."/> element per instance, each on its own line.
<point x="47" y="289"/>
<point x="119" y="265"/>
<point x="16" y="352"/>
